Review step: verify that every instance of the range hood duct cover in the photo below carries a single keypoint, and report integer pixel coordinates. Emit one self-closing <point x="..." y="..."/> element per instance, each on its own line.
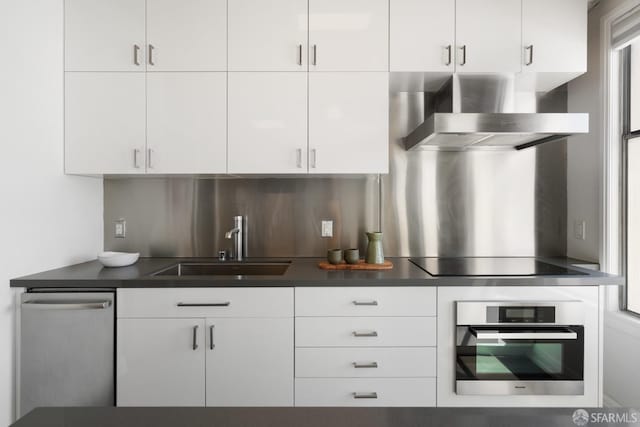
<point x="487" y="112"/>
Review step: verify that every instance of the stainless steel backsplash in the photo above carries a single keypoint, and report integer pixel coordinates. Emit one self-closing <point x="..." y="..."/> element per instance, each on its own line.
<point x="489" y="203"/>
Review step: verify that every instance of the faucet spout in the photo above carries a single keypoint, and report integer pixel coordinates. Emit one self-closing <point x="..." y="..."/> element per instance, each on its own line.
<point x="229" y="234"/>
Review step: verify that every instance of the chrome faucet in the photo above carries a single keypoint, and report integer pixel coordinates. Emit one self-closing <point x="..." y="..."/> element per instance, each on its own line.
<point x="237" y="234"/>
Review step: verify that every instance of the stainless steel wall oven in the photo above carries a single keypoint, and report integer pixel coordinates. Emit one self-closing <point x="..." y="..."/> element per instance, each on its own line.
<point x="519" y="348"/>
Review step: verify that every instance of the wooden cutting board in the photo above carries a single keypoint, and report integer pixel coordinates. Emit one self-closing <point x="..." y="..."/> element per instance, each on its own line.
<point x="388" y="265"/>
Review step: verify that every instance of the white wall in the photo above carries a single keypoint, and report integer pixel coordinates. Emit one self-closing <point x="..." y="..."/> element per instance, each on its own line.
<point x="584" y="194"/>
<point x="48" y="219"/>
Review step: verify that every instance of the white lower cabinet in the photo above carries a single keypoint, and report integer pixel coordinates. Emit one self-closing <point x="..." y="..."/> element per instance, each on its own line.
<point x="366" y="392"/>
<point x="366" y="346"/>
<point x="199" y="359"/>
<point x="249" y="362"/>
<point x="373" y="362"/>
<point x="160" y="362"/>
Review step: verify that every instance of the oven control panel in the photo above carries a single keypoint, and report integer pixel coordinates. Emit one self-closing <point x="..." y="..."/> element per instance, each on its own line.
<point x="521" y="314"/>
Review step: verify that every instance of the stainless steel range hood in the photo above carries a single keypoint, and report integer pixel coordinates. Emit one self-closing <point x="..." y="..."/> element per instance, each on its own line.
<point x="492" y="113"/>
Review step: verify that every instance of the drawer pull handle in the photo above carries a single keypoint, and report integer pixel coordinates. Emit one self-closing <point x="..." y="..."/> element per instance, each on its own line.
<point x="373" y="395"/>
<point x="365" y="334"/>
<point x="365" y="302"/>
<point x="365" y="365"/>
<point x="211" y="304"/>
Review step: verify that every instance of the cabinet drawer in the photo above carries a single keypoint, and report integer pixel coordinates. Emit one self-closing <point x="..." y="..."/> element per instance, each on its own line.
<point x="208" y="302"/>
<point x="365" y="331"/>
<point x="365" y="362"/>
<point x="366" y="301"/>
<point x="366" y="392"/>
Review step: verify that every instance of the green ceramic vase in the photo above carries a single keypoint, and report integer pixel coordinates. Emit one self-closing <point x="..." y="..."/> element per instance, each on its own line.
<point x="374" y="248"/>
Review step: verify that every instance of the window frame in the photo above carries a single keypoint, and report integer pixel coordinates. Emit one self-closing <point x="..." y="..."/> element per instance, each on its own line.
<point x="627" y="134"/>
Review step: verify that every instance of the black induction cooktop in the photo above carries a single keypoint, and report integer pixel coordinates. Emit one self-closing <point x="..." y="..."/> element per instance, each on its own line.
<point x="487" y="266"/>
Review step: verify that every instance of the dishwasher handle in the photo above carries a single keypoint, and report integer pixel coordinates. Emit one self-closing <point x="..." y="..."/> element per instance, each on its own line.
<point x="66" y="305"/>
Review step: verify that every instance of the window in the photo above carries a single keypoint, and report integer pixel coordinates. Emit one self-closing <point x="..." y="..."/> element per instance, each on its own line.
<point x="630" y="89"/>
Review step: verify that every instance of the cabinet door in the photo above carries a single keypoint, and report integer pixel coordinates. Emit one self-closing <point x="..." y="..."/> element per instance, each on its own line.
<point x="348" y="123"/>
<point x="349" y="35"/>
<point x="268" y="134"/>
<point x="161" y="362"/>
<point x="415" y="46"/>
<point x="186" y="123"/>
<point x="488" y="36"/>
<point x="102" y="35"/>
<point x="104" y="123"/>
<point x="187" y="35"/>
<point x="268" y="35"/>
<point x="250" y="362"/>
<point x="554" y="35"/>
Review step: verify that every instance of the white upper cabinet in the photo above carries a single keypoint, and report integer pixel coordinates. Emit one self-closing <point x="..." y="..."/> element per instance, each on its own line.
<point x="186" y="123"/>
<point x="554" y="35"/>
<point x="488" y="36"/>
<point x="349" y="35"/>
<point x="104" y="123"/>
<point x="104" y="35"/>
<point x="267" y="122"/>
<point x="422" y="35"/>
<point x="348" y="123"/>
<point x="186" y="35"/>
<point x="268" y="35"/>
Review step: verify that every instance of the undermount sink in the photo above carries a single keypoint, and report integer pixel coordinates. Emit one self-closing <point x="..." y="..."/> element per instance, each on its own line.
<point x="225" y="269"/>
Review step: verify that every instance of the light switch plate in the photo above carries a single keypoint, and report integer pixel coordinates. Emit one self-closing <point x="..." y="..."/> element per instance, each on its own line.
<point x="327" y="228"/>
<point x="121" y="229"/>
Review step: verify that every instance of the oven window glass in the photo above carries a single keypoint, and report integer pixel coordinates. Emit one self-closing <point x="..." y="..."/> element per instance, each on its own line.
<point x="519" y="359"/>
<point x="487" y="353"/>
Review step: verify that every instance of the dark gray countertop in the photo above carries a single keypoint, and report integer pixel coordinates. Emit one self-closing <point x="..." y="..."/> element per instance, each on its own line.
<point x="317" y="417"/>
<point x="302" y="272"/>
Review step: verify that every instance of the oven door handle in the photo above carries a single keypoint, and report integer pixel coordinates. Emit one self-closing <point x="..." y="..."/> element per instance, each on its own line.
<point x="497" y="335"/>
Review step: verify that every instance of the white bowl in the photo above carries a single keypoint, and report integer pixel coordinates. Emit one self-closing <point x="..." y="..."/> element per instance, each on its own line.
<point x="118" y="259"/>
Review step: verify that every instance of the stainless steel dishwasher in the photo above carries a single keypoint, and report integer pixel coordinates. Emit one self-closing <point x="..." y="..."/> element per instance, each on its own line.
<point x="66" y="349"/>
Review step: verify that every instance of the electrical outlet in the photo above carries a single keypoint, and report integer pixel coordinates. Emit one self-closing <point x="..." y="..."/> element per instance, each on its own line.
<point x="121" y="229"/>
<point x="580" y="229"/>
<point x="327" y="228"/>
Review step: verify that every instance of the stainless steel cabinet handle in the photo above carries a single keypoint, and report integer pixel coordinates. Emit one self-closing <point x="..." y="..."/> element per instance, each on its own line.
<point x="313" y="158"/>
<point x="372" y="395"/>
<point x="136" y="52"/>
<point x="149" y="162"/>
<point x="448" y="51"/>
<point x="365" y="334"/>
<point x="151" y="47"/>
<point x="195" y="337"/>
<point x="496" y="335"/>
<point x="136" y="161"/>
<point x="529" y="55"/>
<point x="299" y="157"/>
<point x="211" y="344"/>
<point x="463" y="49"/>
<point x="66" y="305"/>
<point x="365" y="365"/>
<point x="205" y="304"/>
<point x="300" y="55"/>
<point x="315" y="54"/>
<point x="374" y="302"/>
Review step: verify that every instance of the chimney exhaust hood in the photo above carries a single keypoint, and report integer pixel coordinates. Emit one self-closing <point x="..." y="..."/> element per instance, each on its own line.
<point x="490" y="112"/>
